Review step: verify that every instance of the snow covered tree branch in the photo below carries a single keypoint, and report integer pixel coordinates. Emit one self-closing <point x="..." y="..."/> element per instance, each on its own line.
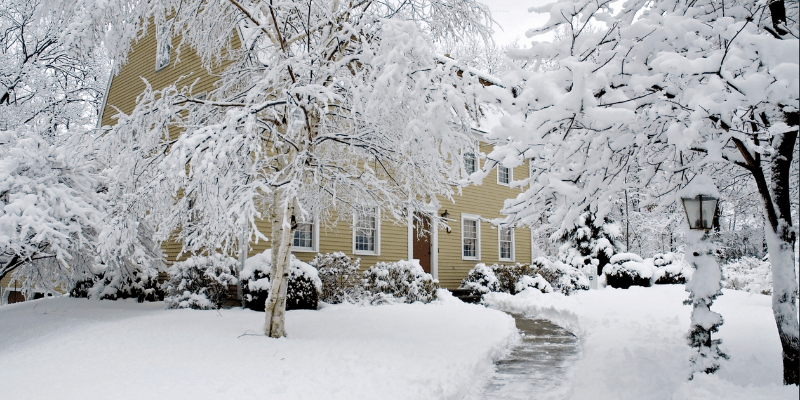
<point x="328" y="109"/>
<point x="647" y="97"/>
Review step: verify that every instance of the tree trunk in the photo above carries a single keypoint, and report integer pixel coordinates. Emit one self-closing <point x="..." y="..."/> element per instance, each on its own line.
<point x="780" y="241"/>
<point x="280" y="216"/>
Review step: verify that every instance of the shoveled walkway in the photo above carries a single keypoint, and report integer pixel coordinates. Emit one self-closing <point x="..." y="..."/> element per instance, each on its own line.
<point x="535" y="369"/>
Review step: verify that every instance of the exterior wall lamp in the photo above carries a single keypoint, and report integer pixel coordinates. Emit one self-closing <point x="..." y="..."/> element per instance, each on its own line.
<point x="446" y="216"/>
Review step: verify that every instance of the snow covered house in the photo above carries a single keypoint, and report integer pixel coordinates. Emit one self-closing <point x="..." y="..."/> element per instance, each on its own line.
<point x="447" y="254"/>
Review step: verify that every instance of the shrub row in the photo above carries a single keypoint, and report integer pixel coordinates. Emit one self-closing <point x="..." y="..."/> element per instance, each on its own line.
<point x="541" y="274"/>
<point x="203" y="282"/>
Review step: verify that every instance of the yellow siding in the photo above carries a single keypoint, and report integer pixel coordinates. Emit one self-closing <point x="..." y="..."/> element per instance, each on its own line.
<point x="128" y="84"/>
<point x="485" y="200"/>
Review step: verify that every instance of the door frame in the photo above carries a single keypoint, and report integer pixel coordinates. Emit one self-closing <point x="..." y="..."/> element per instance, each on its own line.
<point x="432" y="208"/>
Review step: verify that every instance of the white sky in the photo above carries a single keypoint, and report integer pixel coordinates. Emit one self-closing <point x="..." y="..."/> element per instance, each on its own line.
<point x="513" y="19"/>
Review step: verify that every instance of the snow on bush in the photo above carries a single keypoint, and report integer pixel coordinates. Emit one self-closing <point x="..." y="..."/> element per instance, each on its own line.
<point x="481" y="279"/>
<point x="402" y="280"/>
<point x="748" y="274"/>
<point x="671" y="269"/>
<point x="339" y="276"/>
<point x="535" y="282"/>
<point x="628" y="269"/>
<point x="200" y="282"/>
<point x="562" y="277"/>
<point x="303" y="290"/>
<point x="507" y="278"/>
<point x="109" y="284"/>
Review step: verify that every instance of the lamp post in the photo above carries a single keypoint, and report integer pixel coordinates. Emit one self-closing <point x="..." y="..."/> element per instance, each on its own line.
<point x="700" y="206"/>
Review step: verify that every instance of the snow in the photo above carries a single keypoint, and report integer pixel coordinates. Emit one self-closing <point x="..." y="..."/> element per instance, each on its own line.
<point x="125" y="350"/>
<point x="634" y="343"/>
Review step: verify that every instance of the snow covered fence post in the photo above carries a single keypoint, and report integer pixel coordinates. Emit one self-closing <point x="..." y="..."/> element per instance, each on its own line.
<point x="700" y="200"/>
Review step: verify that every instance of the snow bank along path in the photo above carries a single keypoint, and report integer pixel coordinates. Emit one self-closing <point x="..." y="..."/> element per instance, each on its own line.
<point x="634" y="347"/>
<point x="79" y="349"/>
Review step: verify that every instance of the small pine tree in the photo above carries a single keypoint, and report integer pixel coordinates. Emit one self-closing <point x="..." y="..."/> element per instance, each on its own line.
<point x="588" y="241"/>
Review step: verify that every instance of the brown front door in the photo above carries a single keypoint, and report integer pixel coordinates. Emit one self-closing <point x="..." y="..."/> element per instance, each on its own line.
<point x="422" y="241"/>
<point x="15" y="297"/>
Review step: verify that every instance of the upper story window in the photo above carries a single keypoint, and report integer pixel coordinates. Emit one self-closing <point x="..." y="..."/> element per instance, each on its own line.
<point x="470" y="237"/>
<point x="163" y="45"/>
<point x="506" y="239"/>
<point x="470" y="163"/>
<point x="366" y="233"/>
<point x="305" y="238"/>
<point x="503" y="175"/>
<point x="531" y="169"/>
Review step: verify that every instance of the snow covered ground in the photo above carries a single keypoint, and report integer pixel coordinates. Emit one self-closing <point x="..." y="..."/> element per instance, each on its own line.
<point x="634" y="347"/>
<point x="79" y="349"/>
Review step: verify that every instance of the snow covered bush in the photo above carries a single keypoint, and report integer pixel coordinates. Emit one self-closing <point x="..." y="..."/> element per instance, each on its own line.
<point x="339" y="276"/>
<point x="562" y="277"/>
<point x="670" y="269"/>
<point x="110" y="284"/>
<point x="628" y="269"/>
<point x="302" y="292"/>
<point x="748" y="274"/>
<point x="536" y="282"/>
<point x="481" y="279"/>
<point x="200" y="282"/>
<point x="403" y="280"/>
<point x="543" y="274"/>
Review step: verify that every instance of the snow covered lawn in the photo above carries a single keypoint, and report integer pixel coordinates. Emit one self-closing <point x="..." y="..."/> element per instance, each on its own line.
<point x="634" y="347"/>
<point x="80" y="349"/>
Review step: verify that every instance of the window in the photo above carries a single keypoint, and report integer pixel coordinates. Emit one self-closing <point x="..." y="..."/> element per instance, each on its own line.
<point x="531" y="169"/>
<point x="470" y="163"/>
<point x="506" y="239"/>
<point x="366" y="233"/>
<point x="503" y="175"/>
<point x="163" y="45"/>
<point x="305" y="238"/>
<point x="470" y="237"/>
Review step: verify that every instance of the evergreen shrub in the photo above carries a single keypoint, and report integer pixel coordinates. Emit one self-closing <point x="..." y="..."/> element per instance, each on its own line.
<point x="339" y="276"/>
<point x="200" y="282"/>
<point x="402" y="280"/>
<point x="302" y="292"/>
<point x="628" y="269"/>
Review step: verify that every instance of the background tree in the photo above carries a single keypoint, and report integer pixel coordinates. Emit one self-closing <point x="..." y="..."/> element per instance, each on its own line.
<point x="56" y="219"/>
<point x="662" y="90"/>
<point x="329" y="109"/>
<point x="589" y="242"/>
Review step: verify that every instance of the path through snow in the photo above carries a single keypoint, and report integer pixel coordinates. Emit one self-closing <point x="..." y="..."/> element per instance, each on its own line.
<point x="536" y="368"/>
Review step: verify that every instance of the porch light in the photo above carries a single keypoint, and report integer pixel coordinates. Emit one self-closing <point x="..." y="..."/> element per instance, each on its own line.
<point x="700" y="211"/>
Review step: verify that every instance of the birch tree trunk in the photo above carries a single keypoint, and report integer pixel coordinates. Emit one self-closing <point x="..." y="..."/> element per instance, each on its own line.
<point x="280" y="216"/>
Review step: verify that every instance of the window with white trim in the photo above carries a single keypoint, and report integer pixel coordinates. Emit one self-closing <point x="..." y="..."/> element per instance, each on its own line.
<point x="506" y="240"/>
<point x="470" y="237"/>
<point x="470" y="163"/>
<point x="305" y="238"/>
<point x="366" y="233"/>
<point x="503" y="175"/>
<point x="163" y="45"/>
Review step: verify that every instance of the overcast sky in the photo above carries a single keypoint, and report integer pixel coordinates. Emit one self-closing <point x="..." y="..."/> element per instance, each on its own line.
<point x="514" y="19"/>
